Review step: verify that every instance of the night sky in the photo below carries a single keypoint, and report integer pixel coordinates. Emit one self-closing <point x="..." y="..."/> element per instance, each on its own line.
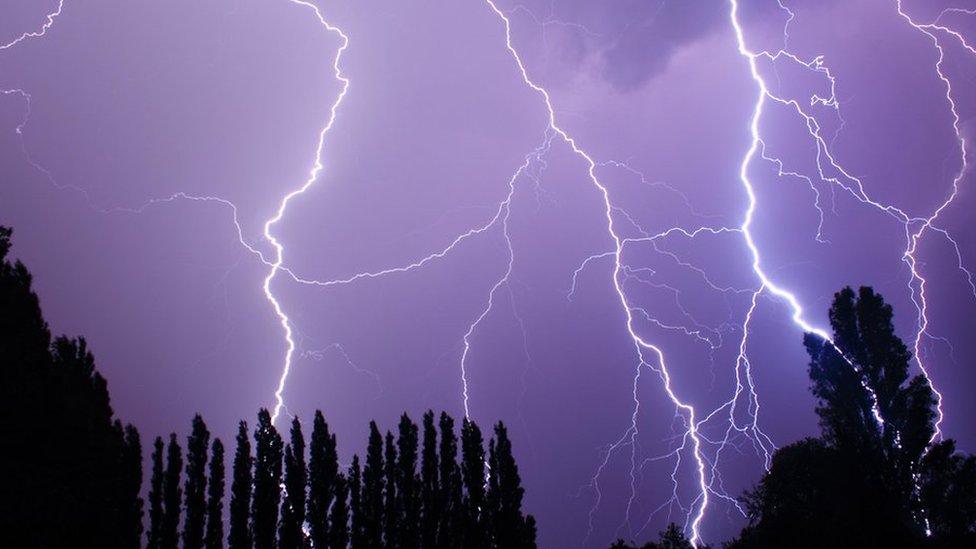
<point x="625" y="284"/>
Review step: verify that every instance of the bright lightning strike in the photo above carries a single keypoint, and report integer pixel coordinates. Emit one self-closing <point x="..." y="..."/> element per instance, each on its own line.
<point x="919" y="281"/>
<point x="505" y="211"/>
<point x="641" y="346"/>
<point x="49" y="20"/>
<point x="754" y="148"/>
<point x="312" y="176"/>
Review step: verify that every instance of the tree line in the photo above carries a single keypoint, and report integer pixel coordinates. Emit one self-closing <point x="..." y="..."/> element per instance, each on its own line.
<point x="72" y="472"/>
<point x="423" y="487"/>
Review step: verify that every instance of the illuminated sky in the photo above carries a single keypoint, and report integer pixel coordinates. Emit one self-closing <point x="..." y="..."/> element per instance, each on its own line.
<point x="563" y="214"/>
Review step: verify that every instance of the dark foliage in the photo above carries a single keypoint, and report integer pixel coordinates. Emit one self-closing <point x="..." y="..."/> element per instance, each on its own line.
<point x="131" y="485"/>
<point x="430" y="502"/>
<point x="474" y="519"/>
<point x="268" y="448"/>
<point x="391" y="514"/>
<point x="214" y="538"/>
<point x="872" y="479"/>
<point x="196" y="484"/>
<point x="172" y="495"/>
<point x="407" y="485"/>
<point x="77" y="485"/>
<point x="290" y="535"/>
<point x="323" y="469"/>
<point x="671" y="538"/>
<point x="449" y="489"/>
<point x="339" y="515"/>
<point x="156" y="496"/>
<point x="509" y="527"/>
<point x="240" y="492"/>
<point x="82" y="485"/>
<point x="948" y="493"/>
<point x="371" y="503"/>
<point x="356" y="535"/>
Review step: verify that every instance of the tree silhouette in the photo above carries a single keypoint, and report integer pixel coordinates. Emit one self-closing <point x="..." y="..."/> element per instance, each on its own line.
<point x="871" y="479"/>
<point x="451" y="510"/>
<point x="214" y="538"/>
<point x="473" y="475"/>
<point x="670" y="538"/>
<point x="80" y="484"/>
<point x="196" y="484"/>
<point x="429" y="495"/>
<point x="172" y="495"/>
<point x="357" y="533"/>
<point x="323" y="469"/>
<point x="240" y="492"/>
<point x="373" y="489"/>
<point x="290" y="534"/>
<point x="26" y="378"/>
<point x="509" y="527"/>
<point x="131" y="486"/>
<point x="268" y="448"/>
<point x="339" y="516"/>
<point x="407" y="484"/>
<point x="156" y="496"/>
<point x="391" y="511"/>
<point x="948" y="494"/>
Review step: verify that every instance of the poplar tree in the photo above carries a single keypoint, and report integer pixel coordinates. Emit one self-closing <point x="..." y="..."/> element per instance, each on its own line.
<point x="323" y="467"/>
<point x="267" y="482"/>
<point x="154" y="536"/>
<point x="172" y="495"/>
<point x="408" y="493"/>
<point x="196" y="484"/>
<point x="510" y="528"/>
<point x="449" y="489"/>
<point x="473" y="475"/>
<point x="493" y="496"/>
<point x="372" y="491"/>
<point x="339" y="515"/>
<point x="131" y="488"/>
<point x="240" y="492"/>
<point x="391" y="512"/>
<point x="290" y="535"/>
<point x="214" y="538"/>
<point x="356" y="531"/>
<point x="429" y="506"/>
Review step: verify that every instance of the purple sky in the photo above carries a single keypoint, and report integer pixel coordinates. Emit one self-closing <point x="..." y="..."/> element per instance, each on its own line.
<point x="133" y="132"/>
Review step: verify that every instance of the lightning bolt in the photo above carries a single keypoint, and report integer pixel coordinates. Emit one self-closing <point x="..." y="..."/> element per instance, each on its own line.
<point x="642" y="347"/>
<point x="26" y="96"/>
<point x="505" y="211"/>
<point x="317" y="167"/>
<point x="49" y="21"/>
<point x="341" y="351"/>
<point x="918" y="281"/>
<point x="276" y="262"/>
